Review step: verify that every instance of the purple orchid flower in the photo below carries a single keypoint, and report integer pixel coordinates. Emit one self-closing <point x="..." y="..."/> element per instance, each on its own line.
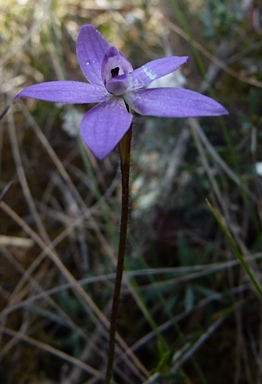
<point x="118" y="89"/>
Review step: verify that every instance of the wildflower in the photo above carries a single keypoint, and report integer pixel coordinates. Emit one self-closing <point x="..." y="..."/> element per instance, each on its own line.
<point x="119" y="89"/>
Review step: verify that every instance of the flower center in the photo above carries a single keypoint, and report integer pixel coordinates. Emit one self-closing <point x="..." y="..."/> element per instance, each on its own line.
<point x="115" y="72"/>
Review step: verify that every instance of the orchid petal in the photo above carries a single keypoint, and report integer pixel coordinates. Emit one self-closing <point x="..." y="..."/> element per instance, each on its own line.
<point x="104" y="126"/>
<point x="117" y="85"/>
<point x="155" y="69"/>
<point x="67" y="92"/>
<point x="91" y="47"/>
<point x="173" y="102"/>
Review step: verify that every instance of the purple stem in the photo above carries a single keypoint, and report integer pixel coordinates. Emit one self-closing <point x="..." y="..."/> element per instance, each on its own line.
<point x="124" y="149"/>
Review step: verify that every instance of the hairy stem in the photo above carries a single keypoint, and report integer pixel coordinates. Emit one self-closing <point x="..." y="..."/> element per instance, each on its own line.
<point x="124" y="149"/>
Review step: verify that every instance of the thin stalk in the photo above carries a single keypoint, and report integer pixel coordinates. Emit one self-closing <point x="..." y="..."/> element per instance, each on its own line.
<point x="124" y="149"/>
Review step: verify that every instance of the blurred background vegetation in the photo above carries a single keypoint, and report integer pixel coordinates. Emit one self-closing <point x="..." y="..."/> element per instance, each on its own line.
<point x="189" y="313"/>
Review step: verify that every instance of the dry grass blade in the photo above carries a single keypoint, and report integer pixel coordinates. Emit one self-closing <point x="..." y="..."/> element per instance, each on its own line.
<point x="48" y="348"/>
<point x="13" y="241"/>
<point x="211" y="57"/>
<point x="88" y="303"/>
